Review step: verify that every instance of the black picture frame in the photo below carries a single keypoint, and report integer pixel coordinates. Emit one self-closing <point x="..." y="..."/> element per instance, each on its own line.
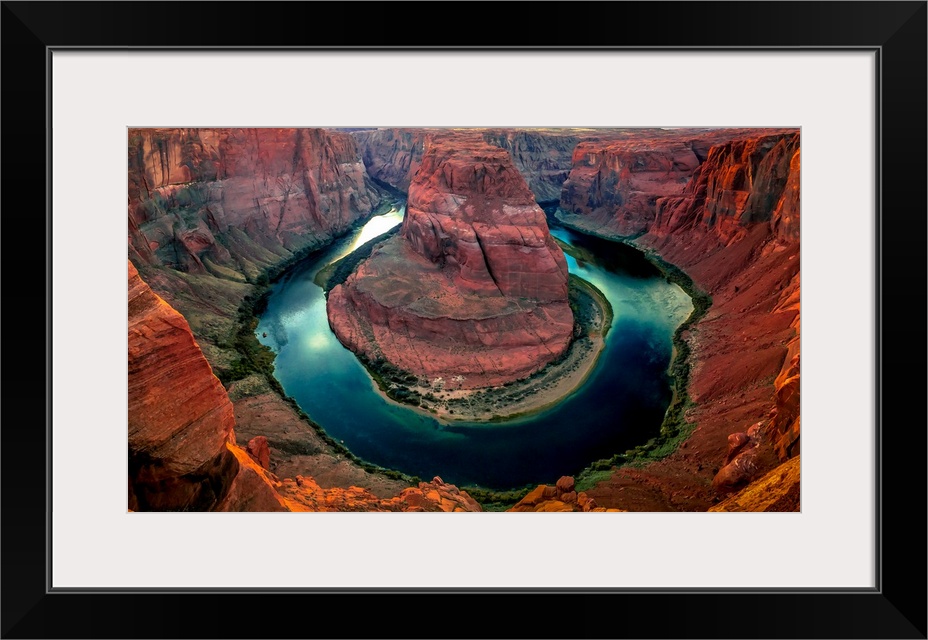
<point x="896" y="608"/>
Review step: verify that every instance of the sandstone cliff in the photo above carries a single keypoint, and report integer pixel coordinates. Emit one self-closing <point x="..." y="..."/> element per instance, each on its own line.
<point x="474" y="289"/>
<point x="181" y="440"/>
<point x="734" y="229"/>
<point x="229" y="202"/>
<point x="542" y="156"/>
<point x="618" y="180"/>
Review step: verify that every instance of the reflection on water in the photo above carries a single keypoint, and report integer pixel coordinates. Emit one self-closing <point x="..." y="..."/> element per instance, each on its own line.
<point x="621" y="405"/>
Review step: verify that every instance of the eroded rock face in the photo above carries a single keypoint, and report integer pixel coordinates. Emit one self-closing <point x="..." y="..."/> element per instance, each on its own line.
<point x="229" y="202"/>
<point x="181" y="421"/>
<point x="742" y="183"/>
<point x="619" y="183"/>
<point x="474" y="289"/>
<point x="735" y="230"/>
<point x="179" y="413"/>
<point x="543" y="157"/>
<point x="305" y="494"/>
<point x="392" y="155"/>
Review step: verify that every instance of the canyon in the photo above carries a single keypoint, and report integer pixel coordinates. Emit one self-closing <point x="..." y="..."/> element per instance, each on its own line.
<point x="214" y="213"/>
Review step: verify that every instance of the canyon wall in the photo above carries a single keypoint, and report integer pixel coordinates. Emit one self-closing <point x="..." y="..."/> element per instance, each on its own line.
<point x="182" y="453"/>
<point x="229" y="202"/>
<point x="542" y="156"/>
<point x="474" y="289"/>
<point x="616" y="181"/>
<point x="212" y="210"/>
<point x="734" y="228"/>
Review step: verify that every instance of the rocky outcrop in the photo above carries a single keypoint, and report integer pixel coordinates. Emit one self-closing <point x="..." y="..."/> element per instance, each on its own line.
<point x="742" y="183"/>
<point x="619" y="180"/>
<point x="473" y="290"/>
<point x="778" y="490"/>
<point x="304" y="494"/>
<point x="559" y="498"/>
<point x="392" y="156"/>
<point x="259" y="450"/>
<point x="229" y="202"/>
<point x="542" y="156"/>
<point x="734" y="230"/>
<point x="619" y="183"/>
<point x="181" y="453"/>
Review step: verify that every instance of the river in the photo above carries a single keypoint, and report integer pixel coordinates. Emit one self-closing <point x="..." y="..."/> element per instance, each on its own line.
<point x="621" y="405"/>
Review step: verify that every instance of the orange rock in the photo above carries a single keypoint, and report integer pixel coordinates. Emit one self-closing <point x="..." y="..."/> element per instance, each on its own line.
<point x="553" y="506"/>
<point x="565" y="484"/>
<point x="259" y="450"/>
<point x="534" y="496"/>
<point x="181" y="451"/>
<point x="736" y="442"/>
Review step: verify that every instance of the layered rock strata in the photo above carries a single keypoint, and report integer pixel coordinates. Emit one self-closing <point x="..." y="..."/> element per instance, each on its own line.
<point x="181" y="424"/>
<point x="618" y="183"/>
<point x="473" y="290"/>
<point x="228" y="202"/>
<point x="734" y="229"/>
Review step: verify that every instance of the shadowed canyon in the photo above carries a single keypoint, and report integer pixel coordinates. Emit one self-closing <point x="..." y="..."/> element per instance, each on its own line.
<point x="527" y="320"/>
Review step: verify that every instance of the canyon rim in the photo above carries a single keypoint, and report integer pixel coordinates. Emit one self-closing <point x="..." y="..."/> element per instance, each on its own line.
<point x="461" y="320"/>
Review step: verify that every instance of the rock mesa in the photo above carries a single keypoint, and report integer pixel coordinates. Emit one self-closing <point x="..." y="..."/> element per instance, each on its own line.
<point x="474" y="289"/>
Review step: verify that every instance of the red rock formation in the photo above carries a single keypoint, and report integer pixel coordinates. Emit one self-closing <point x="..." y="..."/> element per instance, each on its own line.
<point x="542" y="156"/>
<point x="778" y="490"/>
<point x="734" y="230"/>
<point x="259" y="450"/>
<point x="180" y="420"/>
<point x="392" y="155"/>
<point x="231" y="201"/>
<point x="179" y="412"/>
<point x="618" y="183"/>
<point x="474" y="289"/>
<point x="741" y="183"/>
<point x="559" y="498"/>
<point x="304" y="494"/>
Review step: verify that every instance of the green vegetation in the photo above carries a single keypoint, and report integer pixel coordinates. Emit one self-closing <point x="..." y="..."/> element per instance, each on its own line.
<point x="252" y="357"/>
<point x="496" y="500"/>
<point x="674" y="429"/>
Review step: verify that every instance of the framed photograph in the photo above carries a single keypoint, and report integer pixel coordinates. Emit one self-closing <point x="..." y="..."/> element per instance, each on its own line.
<point x="845" y="79"/>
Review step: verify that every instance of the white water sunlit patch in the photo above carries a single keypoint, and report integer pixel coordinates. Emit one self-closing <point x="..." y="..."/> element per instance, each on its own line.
<point x="378" y="225"/>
